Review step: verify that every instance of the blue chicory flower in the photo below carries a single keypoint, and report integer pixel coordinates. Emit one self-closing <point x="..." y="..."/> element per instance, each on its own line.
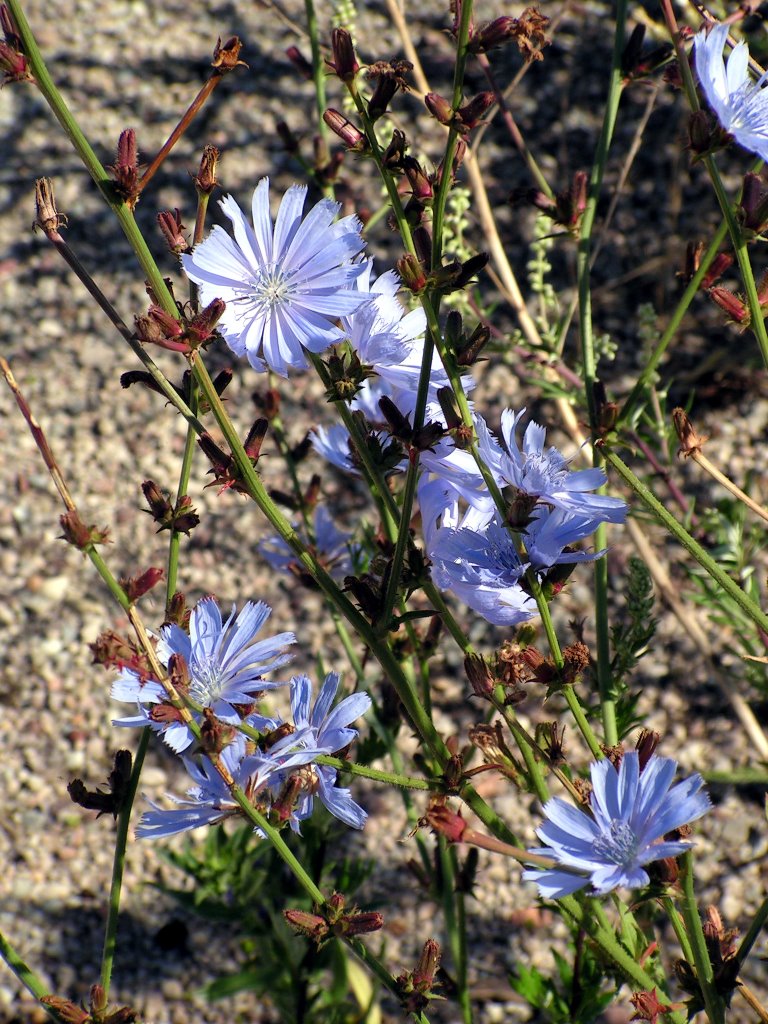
<point x="332" y="547"/>
<point x="209" y="801"/>
<point x="740" y="104"/>
<point x="631" y="813"/>
<point x="284" y="287"/>
<point x="225" y="662"/>
<point x="545" y="475"/>
<point x="324" y="729"/>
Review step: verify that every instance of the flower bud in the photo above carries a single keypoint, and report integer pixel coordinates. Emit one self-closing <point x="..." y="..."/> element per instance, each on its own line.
<point x="13" y="62"/>
<point x="136" y="586"/>
<point x="343" y="62"/>
<point x="172" y="230"/>
<point x="205" y="179"/>
<point x="732" y="304"/>
<point x="439" y="108"/>
<point x="311" y="925"/>
<point x="468" y="116"/>
<point x="480" y="677"/>
<point x="411" y="273"/>
<point x="201" y="327"/>
<point x="125" y="169"/>
<point x="445" y="822"/>
<point x="691" y="443"/>
<point x="352" y="137"/>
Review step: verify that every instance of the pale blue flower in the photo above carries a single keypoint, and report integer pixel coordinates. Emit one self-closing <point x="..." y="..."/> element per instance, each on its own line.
<point x="741" y="105"/>
<point x="323" y="729"/>
<point x="284" y="287"/>
<point x="209" y="801"/>
<point x="545" y="474"/>
<point x="632" y="811"/>
<point x="332" y="546"/>
<point x="225" y="663"/>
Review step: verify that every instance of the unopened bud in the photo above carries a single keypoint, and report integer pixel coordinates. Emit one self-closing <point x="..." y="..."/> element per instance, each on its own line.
<point x="79" y="535"/>
<point x="445" y="822"/>
<point x="255" y="438"/>
<point x="468" y="117"/>
<point x="13" y="62"/>
<point x="343" y="62"/>
<point x="125" y="169"/>
<point x="411" y="273"/>
<point x="172" y="229"/>
<point x="311" y="925"/>
<point x="205" y="179"/>
<point x="136" y="586"/>
<point x="732" y="304"/>
<point x="351" y="136"/>
<point x="480" y="677"/>
<point x="421" y="186"/>
<point x="645" y="746"/>
<point x="439" y="107"/>
<point x="201" y="327"/>
<point x="722" y="262"/>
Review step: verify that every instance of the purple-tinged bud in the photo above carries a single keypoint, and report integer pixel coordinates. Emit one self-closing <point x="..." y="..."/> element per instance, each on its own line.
<point x="205" y="179"/>
<point x="311" y="925"/>
<point x="184" y="518"/>
<point x="13" y="62"/>
<point x="753" y="206"/>
<point x="468" y="117"/>
<point x="426" y="969"/>
<point x="732" y="304"/>
<point x="268" y="402"/>
<point x="350" y="135"/>
<point x="48" y="218"/>
<point x="300" y="62"/>
<point x="172" y="230"/>
<point x="255" y="439"/>
<point x="527" y="31"/>
<point x="160" y="507"/>
<point x="160" y="328"/>
<point x="177" y="612"/>
<point x="125" y="169"/>
<point x="98" y="999"/>
<point x="386" y="87"/>
<point x="445" y="822"/>
<point x="360" y="922"/>
<point x="215" y="735"/>
<point x="440" y="108"/>
<point x="343" y="62"/>
<point x="449" y="409"/>
<point x="411" y="273"/>
<point x="722" y="262"/>
<point x="469" y="353"/>
<point x="646" y="744"/>
<point x="136" y="587"/>
<point x="704" y="134"/>
<point x="201" y="327"/>
<point x="226" y="56"/>
<point x="79" y="535"/>
<point x="421" y="186"/>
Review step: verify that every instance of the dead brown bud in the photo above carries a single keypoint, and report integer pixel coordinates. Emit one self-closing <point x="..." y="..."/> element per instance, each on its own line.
<point x="226" y="56"/>
<point x="691" y="443"/>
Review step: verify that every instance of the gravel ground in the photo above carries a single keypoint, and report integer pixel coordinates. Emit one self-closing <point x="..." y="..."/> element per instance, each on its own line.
<point x="124" y="64"/>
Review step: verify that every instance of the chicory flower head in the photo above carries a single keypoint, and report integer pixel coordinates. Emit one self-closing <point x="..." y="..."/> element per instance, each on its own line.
<point x="631" y="813"/>
<point x="284" y="286"/>
<point x="225" y="663"/>
<point x="740" y="104"/>
<point x="322" y="729"/>
<point x="545" y="475"/>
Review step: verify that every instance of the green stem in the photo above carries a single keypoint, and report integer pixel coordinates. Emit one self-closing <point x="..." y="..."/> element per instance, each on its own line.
<point x="24" y="972"/>
<point x="757" y="316"/>
<point x="745" y="603"/>
<point x="756" y="925"/>
<point x="678" y="926"/>
<point x="174" y="545"/>
<point x="712" y="1001"/>
<point x="118" y="863"/>
<point x="377" y="774"/>
<point x="94" y="167"/>
<point x="455" y="925"/>
<point x="644" y="380"/>
<point x="604" y="678"/>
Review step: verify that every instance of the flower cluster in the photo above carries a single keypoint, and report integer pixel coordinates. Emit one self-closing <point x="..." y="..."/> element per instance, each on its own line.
<point x="219" y="670"/>
<point x="283" y="780"/>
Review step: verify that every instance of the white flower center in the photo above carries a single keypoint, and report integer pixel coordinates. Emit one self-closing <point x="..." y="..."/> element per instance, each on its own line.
<point x="206" y="680"/>
<point x="618" y="845"/>
<point x="544" y="472"/>
<point x="271" y="288"/>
